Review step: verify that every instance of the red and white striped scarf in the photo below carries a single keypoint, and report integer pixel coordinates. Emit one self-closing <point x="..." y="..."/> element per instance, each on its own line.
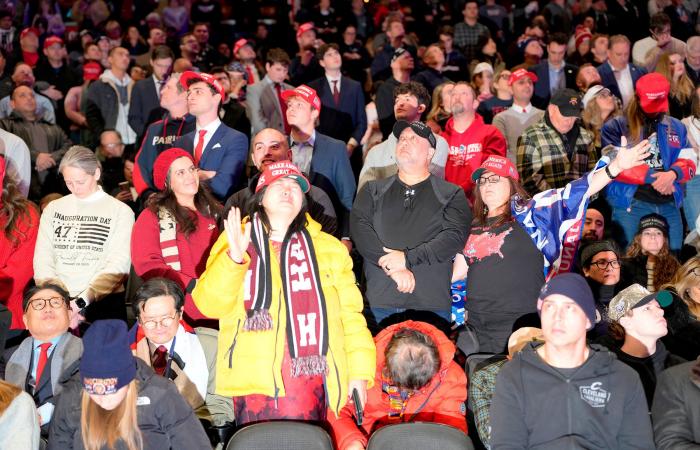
<point x="307" y="324"/>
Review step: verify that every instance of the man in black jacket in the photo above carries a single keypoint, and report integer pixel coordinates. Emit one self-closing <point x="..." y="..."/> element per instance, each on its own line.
<point x="47" y="142"/>
<point x="564" y="393"/>
<point x="408" y="227"/>
<point x="676" y="410"/>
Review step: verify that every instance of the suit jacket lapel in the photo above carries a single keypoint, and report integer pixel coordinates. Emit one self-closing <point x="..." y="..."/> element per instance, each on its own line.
<point x="215" y="139"/>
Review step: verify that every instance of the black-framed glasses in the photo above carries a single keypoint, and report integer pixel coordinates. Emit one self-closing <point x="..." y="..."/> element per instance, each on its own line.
<point x="493" y="179"/>
<point x="165" y="322"/>
<point x="603" y="264"/>
<point x="38" y="304"/>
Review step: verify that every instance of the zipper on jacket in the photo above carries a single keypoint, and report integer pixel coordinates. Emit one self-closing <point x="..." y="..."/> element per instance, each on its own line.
<point x="274" y="355"/>
<point x="233" y="345"/>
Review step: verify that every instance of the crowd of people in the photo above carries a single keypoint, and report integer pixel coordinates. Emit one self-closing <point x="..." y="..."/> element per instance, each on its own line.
<point x="215" y="214"/>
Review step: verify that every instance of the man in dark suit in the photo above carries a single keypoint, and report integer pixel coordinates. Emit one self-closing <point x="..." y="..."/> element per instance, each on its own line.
<point x="145" y="98"/>
<point x="325" y="159"/>
<point x="554" y="73"/>
<point x="264" y="104"/>
<point x="617" y="74"/>
<point x="50" y="352"/>
<point x="220" y="152"/>
<point x="343" y="114"/>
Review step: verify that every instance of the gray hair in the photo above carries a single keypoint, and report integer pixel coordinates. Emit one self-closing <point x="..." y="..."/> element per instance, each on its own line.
<point x="693" y="44"/>
<point x="81" y="158"/>
<point x="412" y="359"/>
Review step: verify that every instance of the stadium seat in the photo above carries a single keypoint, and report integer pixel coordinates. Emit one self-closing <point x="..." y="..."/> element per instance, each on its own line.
<point x="282" y="435"/>
<point x="419" y="436"/>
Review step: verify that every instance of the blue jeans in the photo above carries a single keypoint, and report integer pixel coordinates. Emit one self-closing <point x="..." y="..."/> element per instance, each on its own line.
<point x="691" y="202"/>
<point x="628" y="220"/>
<point x="375" y="316"/>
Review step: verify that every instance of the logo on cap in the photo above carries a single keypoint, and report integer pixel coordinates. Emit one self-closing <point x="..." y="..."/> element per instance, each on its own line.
<point x="573" y="101"/>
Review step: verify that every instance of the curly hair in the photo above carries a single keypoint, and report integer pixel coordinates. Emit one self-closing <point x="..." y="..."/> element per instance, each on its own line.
<point x="665" y="266"/>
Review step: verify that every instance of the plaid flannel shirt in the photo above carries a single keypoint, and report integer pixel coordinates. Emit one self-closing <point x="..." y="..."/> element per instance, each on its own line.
<point x="467" y="37"/>
<point x="542" y="160"/>
<point x="481" y="388"/>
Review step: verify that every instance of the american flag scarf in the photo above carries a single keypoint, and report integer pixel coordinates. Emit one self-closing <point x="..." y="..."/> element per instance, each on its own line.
<point x="307" y="324"/>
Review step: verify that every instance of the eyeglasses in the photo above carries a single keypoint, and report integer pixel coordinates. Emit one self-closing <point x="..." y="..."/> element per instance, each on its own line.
<point x="493" y="179"/>
<point x="165" y="322"/>
<point x="604" y="93"/>
<point x="38" y="304"/>
<point x="603" y="264"/>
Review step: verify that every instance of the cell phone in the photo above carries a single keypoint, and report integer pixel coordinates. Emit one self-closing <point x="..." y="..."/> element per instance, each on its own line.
<point x="125" y="186"/>
<point x="358" y="407"/>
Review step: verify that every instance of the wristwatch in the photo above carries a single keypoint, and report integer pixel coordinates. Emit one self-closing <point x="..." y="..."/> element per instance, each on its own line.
<point x="80" y="302"/>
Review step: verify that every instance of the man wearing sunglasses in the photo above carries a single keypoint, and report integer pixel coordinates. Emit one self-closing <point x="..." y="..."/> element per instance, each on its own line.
<point x="49" y="352"/>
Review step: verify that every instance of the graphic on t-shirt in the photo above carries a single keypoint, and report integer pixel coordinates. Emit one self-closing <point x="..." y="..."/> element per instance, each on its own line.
<point x="80" y="238"/>
<point x="479" y="246"/>
<point x="654" y="158"/>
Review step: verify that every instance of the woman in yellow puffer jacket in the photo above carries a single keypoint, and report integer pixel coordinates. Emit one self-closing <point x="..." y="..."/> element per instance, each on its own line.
<point x="293" y="342"/>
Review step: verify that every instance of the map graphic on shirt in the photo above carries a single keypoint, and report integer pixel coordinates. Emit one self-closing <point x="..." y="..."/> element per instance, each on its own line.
<point x="485" y="244"/>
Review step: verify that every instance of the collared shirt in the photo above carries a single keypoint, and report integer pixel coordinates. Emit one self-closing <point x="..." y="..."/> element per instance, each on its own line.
<point x="302" y="152"/>
<point x="623" y="77"/>
<point x="521" y="110"/>
<point x="331" y="80"/>
<point x="159" y="85"/>
<point x="211" y="129"/>
<point x="36" y="351"/>
<point x="556" y="78"/>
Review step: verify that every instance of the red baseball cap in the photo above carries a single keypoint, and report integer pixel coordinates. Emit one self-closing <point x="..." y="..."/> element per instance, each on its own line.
<point x="521" y="73"/>
<point x="240" y="44"/>
<point x="282" y="169"/>
<point x="203" y="77"/>
<point x="51" y="40"/>
<point x="26" y="31"/>
<point x="162" y="164"/>
<point x="306" y="93"/>
<point x="304" y="27"/>
<point x="500" y="165"/>
<point x="92" y="70"/>
<point x="652" y="90"/>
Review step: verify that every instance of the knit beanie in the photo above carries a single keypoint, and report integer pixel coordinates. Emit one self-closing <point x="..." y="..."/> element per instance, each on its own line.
<point x="163" y="163"/>
<point x="573" y="286"/>
<point x="107" y="363"/>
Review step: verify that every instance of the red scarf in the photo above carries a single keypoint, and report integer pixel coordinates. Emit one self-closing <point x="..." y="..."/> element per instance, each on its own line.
<point x="307" y="324"/>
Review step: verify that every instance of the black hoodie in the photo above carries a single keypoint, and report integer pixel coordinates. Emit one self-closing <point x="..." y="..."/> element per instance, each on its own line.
<point x="599" y="405"/>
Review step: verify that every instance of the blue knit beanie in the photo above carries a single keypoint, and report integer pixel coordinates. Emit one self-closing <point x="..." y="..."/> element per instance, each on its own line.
<point x="107" y="363"/>
<point x="575" y="287"/>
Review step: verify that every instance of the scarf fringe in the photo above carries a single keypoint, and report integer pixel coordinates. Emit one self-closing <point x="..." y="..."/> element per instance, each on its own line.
<point x="258" y="320"/>
<point x="309" y="365"/>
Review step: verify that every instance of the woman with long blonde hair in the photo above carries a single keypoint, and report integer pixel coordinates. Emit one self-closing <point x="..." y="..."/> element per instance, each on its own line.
<point x="683" y="315"/>
<point x="672" y="66"/>
<point x="118" y="402"/>
<point x="599" y="106"/>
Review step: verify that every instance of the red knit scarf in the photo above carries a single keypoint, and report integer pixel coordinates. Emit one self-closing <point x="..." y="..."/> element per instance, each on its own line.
<point x="307" y="324"/>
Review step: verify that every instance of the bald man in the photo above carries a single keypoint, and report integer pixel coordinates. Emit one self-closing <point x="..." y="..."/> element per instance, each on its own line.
<point x="270" y="146"/>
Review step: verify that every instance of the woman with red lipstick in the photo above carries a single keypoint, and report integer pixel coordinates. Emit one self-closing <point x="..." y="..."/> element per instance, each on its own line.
<point x="173" y="235"/>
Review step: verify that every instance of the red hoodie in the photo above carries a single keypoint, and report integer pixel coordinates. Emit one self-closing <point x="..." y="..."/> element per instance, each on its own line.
<point x="441" y="401"/>
<point x="469" y="149"/>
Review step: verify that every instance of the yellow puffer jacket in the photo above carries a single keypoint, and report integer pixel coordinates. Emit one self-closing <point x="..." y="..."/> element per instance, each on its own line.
<point x="251" y="362"/>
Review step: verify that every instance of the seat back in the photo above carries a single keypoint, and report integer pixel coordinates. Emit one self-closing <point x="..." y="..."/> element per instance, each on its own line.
<point x="419" y="436"/>
<point x="281" y="435"/>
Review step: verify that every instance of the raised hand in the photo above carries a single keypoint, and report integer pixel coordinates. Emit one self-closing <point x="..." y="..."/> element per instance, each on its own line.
<point x="237" y="240"/>
<point x="628" y="158"/>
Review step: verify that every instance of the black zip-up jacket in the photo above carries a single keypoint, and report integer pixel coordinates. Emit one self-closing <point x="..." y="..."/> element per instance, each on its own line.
<point x="599" y="405"/>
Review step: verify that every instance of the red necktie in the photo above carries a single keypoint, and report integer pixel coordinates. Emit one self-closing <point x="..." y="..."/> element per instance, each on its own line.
<point x="251" y="76"/>
<point x="159" y="360"/>
<point x="200" y="147"/>
<point x="283" y="105"/>
<point x="336" y="92"/>
<point x="43" y="357"/>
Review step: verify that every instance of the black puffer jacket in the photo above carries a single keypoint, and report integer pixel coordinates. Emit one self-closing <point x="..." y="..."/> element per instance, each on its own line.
<point x="683" y="338"/>
<point x="166" y="421"/>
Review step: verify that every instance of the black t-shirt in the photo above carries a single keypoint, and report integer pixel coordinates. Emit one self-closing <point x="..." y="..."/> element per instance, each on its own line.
<point x="506" y="270"/>
<point x="646" y="192"/>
